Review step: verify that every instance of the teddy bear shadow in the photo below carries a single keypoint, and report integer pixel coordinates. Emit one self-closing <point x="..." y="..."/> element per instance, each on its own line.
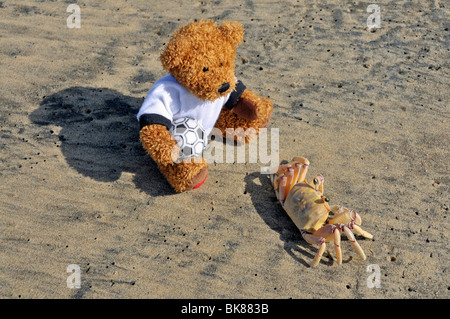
<point x="260" y="189"/>
<point x="99" y="135"/>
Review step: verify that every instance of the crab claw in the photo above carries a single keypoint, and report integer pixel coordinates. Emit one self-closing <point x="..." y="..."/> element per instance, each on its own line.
<point x="355" y="217"/>
<point x="350" y="218"/>
<point x="343" y="215"/>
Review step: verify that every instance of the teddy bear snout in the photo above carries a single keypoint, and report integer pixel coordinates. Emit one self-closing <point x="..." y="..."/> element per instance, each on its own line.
<point x="224" y="87"/>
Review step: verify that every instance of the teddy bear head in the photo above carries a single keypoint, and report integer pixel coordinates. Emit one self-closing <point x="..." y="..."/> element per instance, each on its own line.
<point x="201" y="57"/>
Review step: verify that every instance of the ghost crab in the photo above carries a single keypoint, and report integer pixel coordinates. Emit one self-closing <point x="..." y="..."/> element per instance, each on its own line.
<point x="308" y="208"/>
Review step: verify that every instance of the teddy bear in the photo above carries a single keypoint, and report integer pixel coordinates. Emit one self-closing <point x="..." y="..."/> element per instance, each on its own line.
<point x="200" y="84"/>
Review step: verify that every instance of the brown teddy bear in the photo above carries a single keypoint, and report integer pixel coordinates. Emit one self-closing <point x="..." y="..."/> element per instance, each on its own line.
<point x="201" y="85"/>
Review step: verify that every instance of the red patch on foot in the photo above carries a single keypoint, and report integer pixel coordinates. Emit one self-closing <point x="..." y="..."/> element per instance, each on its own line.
<point x="200" y="184"/>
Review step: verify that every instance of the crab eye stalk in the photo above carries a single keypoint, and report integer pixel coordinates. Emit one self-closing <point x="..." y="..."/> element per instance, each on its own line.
<point x="205" y="69"/>
<point x="325" y="199"/>
<point x="316" y="181"/>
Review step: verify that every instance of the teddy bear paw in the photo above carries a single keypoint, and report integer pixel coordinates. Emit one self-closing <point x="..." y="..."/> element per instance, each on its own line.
<point x="246" y="109"/>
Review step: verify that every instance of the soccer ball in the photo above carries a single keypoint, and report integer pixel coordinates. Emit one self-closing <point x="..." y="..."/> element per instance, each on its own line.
<point x="190" y="137"/>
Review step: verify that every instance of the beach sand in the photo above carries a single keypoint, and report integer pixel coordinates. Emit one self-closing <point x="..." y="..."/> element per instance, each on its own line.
<point x="370" y="110"/>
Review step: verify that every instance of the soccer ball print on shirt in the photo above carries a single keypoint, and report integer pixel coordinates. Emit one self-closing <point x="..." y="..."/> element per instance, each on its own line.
<point x="190" y="136"/>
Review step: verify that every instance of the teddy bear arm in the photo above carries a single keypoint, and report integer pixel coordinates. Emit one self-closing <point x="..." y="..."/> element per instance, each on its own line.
<point x="246" y="109"/>
<point x="228" y="119"/>
<point x="240" y="105"/>
<point x="158" y="142"/>
<point x="246" y="106"/>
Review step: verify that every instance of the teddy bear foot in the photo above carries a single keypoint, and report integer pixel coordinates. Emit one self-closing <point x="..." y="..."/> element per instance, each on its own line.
<point x="185" y="176"/>
<point x="198" y="180"/>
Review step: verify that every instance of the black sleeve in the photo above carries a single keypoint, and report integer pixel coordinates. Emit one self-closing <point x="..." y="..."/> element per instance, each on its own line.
<point x="235" y="95"/>
<point x="149" y="119"/>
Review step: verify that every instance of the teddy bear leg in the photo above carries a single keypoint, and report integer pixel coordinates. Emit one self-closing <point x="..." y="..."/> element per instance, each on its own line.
<point x="231" y="121"/>
<point x="159" y="144"/>
<point x="185" y="176"/>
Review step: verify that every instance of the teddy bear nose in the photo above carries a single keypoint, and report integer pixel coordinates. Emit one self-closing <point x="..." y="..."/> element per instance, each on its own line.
<point x="224" y="87"/>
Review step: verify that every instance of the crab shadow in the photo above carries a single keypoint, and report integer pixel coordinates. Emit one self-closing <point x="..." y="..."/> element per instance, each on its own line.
<point x="99" y="135"/>
<point x="260" y="189"/>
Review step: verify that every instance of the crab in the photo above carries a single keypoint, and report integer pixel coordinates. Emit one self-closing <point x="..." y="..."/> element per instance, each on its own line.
<point x="309" y="210"/>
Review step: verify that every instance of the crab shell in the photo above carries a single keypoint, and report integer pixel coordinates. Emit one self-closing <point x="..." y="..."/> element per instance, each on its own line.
<point x="306" y="207"/>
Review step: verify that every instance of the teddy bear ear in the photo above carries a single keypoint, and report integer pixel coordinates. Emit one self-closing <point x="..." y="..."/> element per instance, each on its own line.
<point x="232" y="31"/>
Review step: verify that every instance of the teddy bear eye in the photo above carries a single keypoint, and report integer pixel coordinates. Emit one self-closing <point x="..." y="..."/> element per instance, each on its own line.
<point x="205" y="69"/>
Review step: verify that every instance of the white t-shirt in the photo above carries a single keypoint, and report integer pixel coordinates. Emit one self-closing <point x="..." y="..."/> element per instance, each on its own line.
<point x="170" y="100"/>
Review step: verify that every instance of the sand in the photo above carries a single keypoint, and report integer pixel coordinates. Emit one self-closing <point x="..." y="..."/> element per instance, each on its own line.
<point x="370" y="110"/>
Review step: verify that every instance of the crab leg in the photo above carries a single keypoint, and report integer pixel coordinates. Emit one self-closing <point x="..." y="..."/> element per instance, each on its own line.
<point x="282" y="188"/>
<point x="337" y="245"/>
<point x="319" y="237"/>
<point x="282" y="169"/>
<point x="318" y="255"/>
<point x="272" y="178"/>
<point x="290" y="180"/>
<point x="362" y="232"/>
<point x="303" y="172"/>
<point x="305" y="165"/>
<point x="354" y="243"/>
<point x="297" y="168"/>
<point x="331" y="232"/>
<point x="315" y="240"/>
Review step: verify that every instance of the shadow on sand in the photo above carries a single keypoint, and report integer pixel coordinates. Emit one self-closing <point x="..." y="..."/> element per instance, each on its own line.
<point x="100" y="135"/>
